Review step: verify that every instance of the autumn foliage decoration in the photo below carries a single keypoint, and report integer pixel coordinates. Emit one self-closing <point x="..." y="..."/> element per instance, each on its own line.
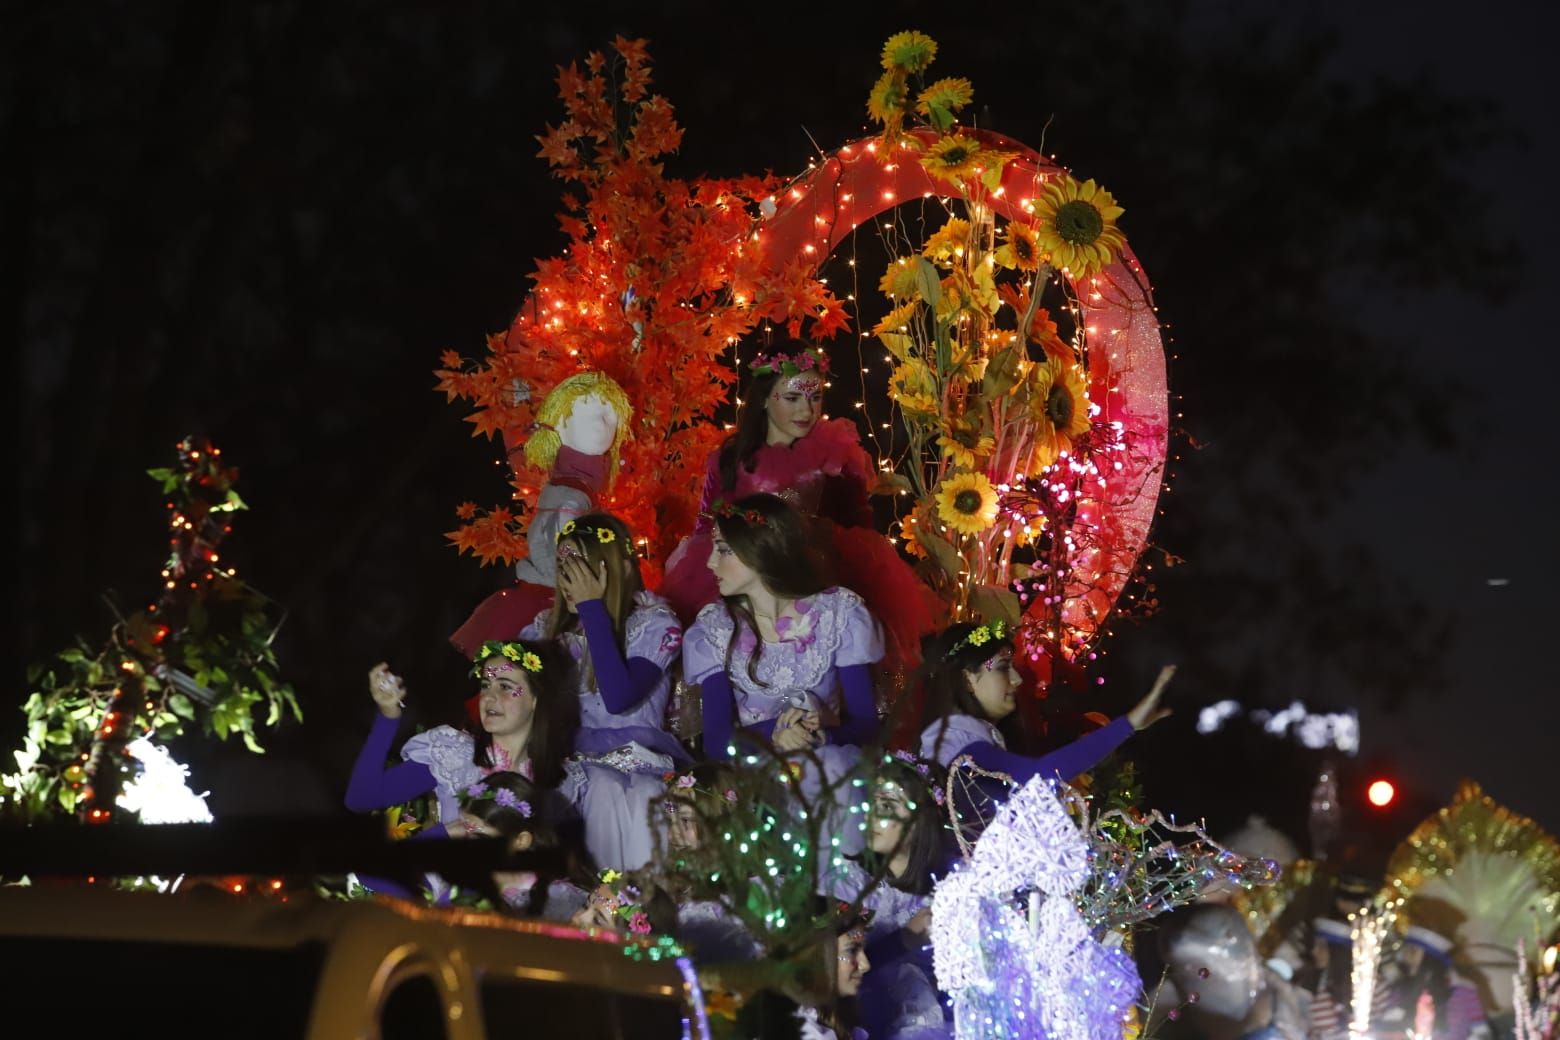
<point x="659" y="278"/>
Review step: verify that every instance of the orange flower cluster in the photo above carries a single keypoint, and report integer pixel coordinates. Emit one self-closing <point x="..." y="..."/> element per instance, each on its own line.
<point x="659" y="278"/>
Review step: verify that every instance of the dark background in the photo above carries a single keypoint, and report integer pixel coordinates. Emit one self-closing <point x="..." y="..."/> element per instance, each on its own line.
<point x="264" y="222"/>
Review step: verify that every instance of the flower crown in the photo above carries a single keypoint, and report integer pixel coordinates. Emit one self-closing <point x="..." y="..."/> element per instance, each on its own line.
<point x="980" y="636"/>
<point x="851" y="916"/>
<point x="480" y="792"/>
<point x="685" y="782"/>
<point x="788" y="365"/>
<point x="922" y="768"/>
<point x="516" y="652"/>
<point x="624" y="903"/>
<point x="752" y="517"/>
<point x="602" y="535"/>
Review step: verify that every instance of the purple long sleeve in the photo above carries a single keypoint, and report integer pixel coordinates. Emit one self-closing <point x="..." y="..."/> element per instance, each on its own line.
<point x="720" y="708"/>
<point x="859" y="726"/>
<point x="1064" y="763"/>
<point x="623" y="684"/>
<point x="374" y="785"/>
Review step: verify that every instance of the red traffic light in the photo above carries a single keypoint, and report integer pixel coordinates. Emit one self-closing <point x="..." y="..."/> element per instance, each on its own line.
<point x="1381" y="793"/>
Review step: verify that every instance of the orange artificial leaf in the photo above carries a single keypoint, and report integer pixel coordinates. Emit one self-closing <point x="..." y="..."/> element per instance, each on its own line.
<point x="556" y="148"/>
<point x="570" y="82"/>
<point x="635" y="52"/>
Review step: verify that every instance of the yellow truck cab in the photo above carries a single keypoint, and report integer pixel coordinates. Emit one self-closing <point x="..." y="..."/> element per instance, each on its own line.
<point x="93" y="961"/>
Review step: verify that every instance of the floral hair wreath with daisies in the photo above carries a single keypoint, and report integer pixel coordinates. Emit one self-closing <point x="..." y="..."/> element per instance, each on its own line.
<point x="503" y="796"/>
<point x="516" y="652"/>
<point x="601" y="535"/>
<point x="788" y="366"/>
<point x="980" y="636"/>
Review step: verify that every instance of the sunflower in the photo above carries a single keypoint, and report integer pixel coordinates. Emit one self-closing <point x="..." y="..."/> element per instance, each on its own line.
<point x="940" y="102"/>
<point x="511" y="651"/>
<point x="913" y="389"/>
<point x="1076" y="225"/>
<point x="887" y="101"/>
<point x="954" y="158"/>
<point x="948" y="241"/>
<point x="901" y="280"/>
<point x="963" y="291"/>
<point x="967" y="503"/>
<point x="1059" y="406"/>
<point x="961" y="454"/>
<point x="605" y="535"/>
<point x="530" y="662"/>
<point x="1019" y="250"/>
<point x="896" y="319"/>
<point x="909" y="52"/>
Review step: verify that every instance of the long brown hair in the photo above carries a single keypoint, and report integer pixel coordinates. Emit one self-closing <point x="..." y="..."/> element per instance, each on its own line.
<point x="946" y="658"/>
<point x="773" y="539"/>
<point x="554" y="721"/>
<point x="739" y="449"/>
<point x="624" y="581"/>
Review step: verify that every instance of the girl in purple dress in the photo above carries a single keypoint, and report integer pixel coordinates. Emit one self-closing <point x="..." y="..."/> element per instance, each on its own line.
<point x="526" y="724"/>
<point x="622" y="639"/>
<point x="783" y="446"/>
<point x="971" y="685"/>
<point x="907" y="848"/>
<point x="782" y="657"/>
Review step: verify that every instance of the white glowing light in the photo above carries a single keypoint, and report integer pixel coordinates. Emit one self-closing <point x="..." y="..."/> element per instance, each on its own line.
<point x="161" y="793"/>
<point x="1315" y="730"/>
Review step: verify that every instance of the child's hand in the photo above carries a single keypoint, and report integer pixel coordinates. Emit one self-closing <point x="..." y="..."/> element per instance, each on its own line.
<point x="387" y="689"/>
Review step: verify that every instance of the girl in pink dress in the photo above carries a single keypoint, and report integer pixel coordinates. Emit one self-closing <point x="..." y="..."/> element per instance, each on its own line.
<point x="783" y="446"/>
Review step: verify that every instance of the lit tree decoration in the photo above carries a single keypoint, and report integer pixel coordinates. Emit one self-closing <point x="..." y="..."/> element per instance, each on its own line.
<point x="661" y="276"/>
<point x="203" y="650"/>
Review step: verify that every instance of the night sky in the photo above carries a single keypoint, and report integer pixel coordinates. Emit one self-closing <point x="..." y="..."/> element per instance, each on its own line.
<point x="264" y="222"/>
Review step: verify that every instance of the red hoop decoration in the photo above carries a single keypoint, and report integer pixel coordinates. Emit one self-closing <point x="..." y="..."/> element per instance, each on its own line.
<point x="1127" y="381"/>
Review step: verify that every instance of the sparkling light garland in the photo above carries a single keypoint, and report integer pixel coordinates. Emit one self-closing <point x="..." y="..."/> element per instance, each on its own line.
<point x="1371" y="926"/>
